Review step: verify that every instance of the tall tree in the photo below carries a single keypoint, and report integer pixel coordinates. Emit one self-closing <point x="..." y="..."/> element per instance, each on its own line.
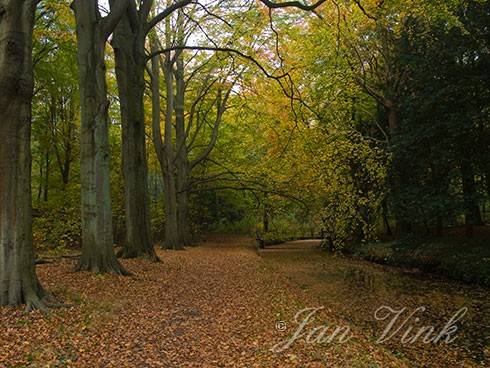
<point x="164" y="148"/>
<point x="18" y="280"/>
<point x="129" y="46"/>
<point x="191" y="130"/>
<point x="93" y="31"/>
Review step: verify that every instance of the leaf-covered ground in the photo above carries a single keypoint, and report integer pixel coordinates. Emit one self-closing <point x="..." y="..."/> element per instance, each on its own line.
<point x="215" y="305"/>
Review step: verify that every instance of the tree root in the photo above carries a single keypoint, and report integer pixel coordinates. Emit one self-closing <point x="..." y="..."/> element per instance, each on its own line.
<point x="43" y="303"/>
<point x="113" y="267"/>
<point x="35" y="301"/>
<point x="150" y="256"/>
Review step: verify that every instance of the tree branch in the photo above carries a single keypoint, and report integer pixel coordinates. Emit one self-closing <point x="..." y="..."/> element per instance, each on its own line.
<point x="221" y="105"/>
<point x="165" y="13"/>
<point x="292" y="4"/>
<point x="110" y="21"/>
<point x="222" y="49"/>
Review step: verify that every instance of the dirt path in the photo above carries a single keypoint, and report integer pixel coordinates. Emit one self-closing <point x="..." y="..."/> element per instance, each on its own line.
<point x="217" y="305"/>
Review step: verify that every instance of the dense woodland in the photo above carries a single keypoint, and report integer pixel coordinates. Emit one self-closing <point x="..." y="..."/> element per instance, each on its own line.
<point x="135" y="123"/>
<point x="183" y="181"/>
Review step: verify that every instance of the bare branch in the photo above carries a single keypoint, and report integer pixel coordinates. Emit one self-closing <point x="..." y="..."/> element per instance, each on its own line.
<point x="222" y="49"/>
<point x="221" y="105"/>
<point x="165" y="13"/>
<point x="292" y="4"/>
<point x="359" y="5"/>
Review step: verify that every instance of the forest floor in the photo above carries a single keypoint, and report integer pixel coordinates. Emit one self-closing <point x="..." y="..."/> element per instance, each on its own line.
<point x="223" y="304"/>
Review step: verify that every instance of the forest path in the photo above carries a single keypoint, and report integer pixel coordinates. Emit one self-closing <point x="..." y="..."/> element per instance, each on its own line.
<point x="221" y="304"/>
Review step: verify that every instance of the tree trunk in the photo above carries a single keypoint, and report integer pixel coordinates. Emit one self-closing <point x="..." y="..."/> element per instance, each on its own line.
<point x="392" y="118"/>
<point x="47" y="162"/>
<point x="386" y="222"/>
<point x="130" y="60"/>
<point x="171" y="225"/>
<point x="478" y="214"/>
<point x="182" y="158"/>
<point x="265" y="220"/>
<point x="65" y="169"/>
<point x="97" y="233"/>
<point x="40" y="186"/>
<point x="18" y="280"/>
<point x="185" y="237"/>
<point x="69" y="141"/>
<point x="164" y="149"/>
<point x="64" y="154"/>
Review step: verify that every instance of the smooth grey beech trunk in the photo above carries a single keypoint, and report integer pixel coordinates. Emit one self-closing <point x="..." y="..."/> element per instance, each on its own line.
<point x="164" y="148"/>
<point x="128" y="44"/>
<point x="97" y="233"/>
<point x="171" y="220"/>
<point x="18" y="281"/>
<point x="182" y="157"/>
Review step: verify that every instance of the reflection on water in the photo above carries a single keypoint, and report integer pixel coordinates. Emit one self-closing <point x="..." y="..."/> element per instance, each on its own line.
<point x="440" y="298"/>
<point x="356" y="289"/>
